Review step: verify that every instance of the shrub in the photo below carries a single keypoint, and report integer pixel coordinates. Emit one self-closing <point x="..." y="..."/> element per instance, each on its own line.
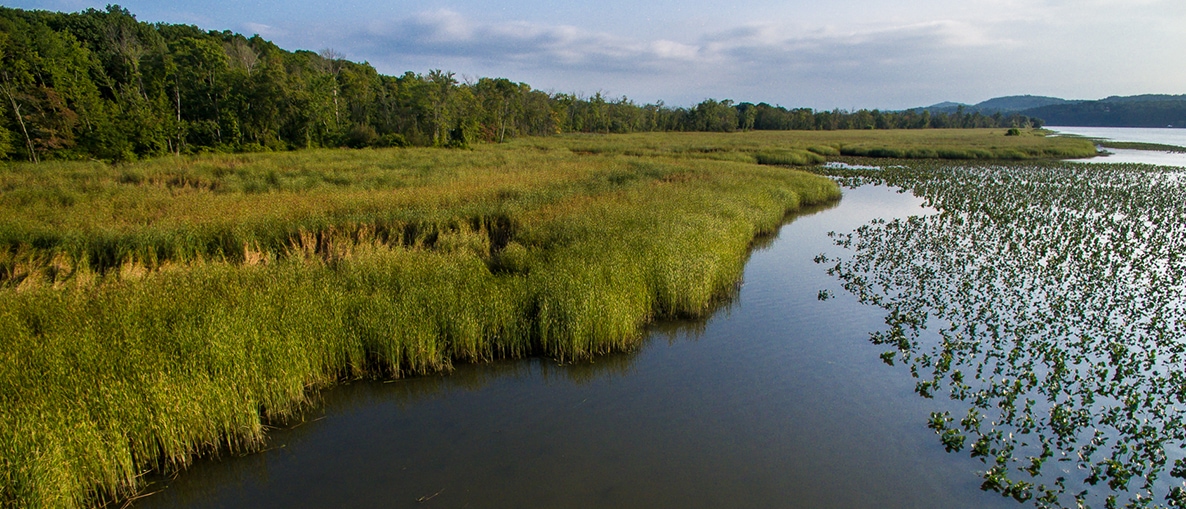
<point x="362" y="135"/>
<point x="392" y="140"/>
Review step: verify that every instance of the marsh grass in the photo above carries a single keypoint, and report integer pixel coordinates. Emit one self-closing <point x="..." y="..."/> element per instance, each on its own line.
<point x="154" y="312"/>
<point x="158" y="311"/>
<point x="956" y="144"/>
<point x="1136" y="145"/>
<point x="1131" y="145"/>
<point x="986" y="144"/>
<point x="789" y="158"/>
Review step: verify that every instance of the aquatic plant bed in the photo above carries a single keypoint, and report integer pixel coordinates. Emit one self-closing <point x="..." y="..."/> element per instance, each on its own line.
<point x="1049" y="301"/>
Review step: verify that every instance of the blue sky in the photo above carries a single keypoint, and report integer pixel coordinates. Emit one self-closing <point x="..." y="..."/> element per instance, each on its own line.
<point x="837" y="54"/>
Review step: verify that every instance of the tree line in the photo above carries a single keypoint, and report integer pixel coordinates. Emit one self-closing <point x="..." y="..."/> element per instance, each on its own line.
<point x="98" y="84"/>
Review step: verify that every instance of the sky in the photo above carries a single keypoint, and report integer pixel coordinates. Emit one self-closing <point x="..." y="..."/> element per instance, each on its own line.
<point x="845" y="54"/>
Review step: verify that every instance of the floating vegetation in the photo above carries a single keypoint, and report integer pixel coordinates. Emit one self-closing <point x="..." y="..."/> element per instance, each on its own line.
<point x="838" y="165"/>
<point x="1048" y="301"/>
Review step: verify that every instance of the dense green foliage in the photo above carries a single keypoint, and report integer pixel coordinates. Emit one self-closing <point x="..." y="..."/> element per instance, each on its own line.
<point x="1048" y="301"/>
<point x="777" y="118"/>
<point x="153" y="311"/>
<point x="102" y="85"/>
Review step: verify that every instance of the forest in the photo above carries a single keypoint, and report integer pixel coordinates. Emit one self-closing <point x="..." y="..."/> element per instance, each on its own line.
<point x="99" y="84"/>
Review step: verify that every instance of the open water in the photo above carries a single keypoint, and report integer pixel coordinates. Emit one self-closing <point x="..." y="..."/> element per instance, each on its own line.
<point x="1164" y="136"/>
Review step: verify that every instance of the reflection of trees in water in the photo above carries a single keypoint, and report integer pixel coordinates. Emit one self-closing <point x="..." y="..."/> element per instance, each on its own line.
<point x="1051" y="300"/>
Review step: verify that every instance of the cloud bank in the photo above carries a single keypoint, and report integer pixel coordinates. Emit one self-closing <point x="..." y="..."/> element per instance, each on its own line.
<point x="449" y="34"/>
<point x="754" y="61"/>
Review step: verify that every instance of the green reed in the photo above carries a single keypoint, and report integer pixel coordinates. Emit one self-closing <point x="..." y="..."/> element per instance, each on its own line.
<point x="154" y="312"/>
<point x="151" y="313"/>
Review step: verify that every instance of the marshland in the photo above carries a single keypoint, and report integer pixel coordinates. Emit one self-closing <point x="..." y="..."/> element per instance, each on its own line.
<point x="159" y="311"/>
<point x="1002" y="299"/>
<point x="237" y="275"/>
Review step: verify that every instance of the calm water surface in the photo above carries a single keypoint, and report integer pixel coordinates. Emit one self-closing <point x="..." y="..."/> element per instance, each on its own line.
<point x="1138" y="134"/>
<point x="777" y="400"/>
<point x="1161" y="135"/>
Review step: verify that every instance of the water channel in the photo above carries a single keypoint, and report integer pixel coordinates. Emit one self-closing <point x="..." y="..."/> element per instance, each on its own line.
<point x="777" y="400"/>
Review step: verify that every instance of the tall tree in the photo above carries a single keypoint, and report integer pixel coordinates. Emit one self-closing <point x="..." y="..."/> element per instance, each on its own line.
<point x="441" y="86"/>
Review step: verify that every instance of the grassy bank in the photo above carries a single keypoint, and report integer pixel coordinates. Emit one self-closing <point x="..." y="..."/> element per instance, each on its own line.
<point x="160" y="310"/>
<point x="811" y="147"/>
<point x="1129" y="145"/>
<point x="1136" y="145"/>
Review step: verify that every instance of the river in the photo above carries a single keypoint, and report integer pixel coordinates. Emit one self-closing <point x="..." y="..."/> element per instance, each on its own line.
<point x="776" y="400"/>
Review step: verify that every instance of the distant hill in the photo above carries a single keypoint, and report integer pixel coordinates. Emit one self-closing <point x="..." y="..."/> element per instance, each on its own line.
<point x="1148" y="110"/>
<point x="1008" y="104"/>
<point x="945" y="107"/>
<point x="1144" y="98"/>
<point x="1017" y="103"/>
<point x="1116" y="112"/>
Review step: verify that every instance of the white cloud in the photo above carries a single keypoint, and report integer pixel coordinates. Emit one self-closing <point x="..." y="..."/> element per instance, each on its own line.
<point x="265" y="31"/>
<point x="450" y="34"/>
<point x="446" y="33"/>
<point x="1019" y="48"/>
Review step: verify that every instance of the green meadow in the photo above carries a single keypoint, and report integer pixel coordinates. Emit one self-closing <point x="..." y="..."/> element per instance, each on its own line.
<point x="159" y="311"/>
